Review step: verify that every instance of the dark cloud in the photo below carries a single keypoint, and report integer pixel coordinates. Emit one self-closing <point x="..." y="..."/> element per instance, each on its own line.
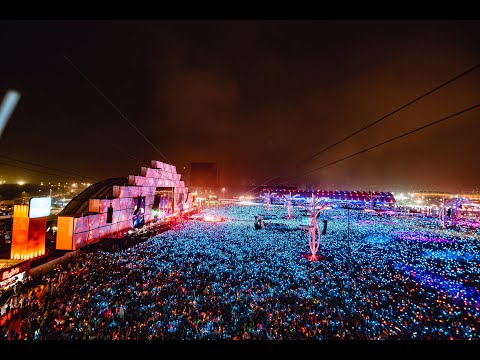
<point x="258" y="97"/>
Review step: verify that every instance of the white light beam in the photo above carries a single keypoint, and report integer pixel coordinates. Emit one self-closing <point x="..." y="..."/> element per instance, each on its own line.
<point x="6" y="108"/>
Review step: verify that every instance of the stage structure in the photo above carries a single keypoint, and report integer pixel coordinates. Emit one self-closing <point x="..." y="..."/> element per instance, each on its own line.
<point x="29" y="228"/>
<point x="156" y="194"/>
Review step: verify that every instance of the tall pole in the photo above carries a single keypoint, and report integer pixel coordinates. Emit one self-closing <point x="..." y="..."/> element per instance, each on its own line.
<point x="348" y="239"/>
<point x="443" y="212"/>
<point x="348" y="226"/>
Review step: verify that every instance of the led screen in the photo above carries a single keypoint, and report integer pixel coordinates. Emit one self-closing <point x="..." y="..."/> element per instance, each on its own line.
<point x="139" y="212"/>
<point x="39" y="207"/>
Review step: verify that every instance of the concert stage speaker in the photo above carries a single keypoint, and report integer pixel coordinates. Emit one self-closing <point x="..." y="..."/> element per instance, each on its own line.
<point x="109" y="214"/>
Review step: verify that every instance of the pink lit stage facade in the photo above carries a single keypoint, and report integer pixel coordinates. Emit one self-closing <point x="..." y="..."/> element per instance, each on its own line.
<point x="156" y="194"/>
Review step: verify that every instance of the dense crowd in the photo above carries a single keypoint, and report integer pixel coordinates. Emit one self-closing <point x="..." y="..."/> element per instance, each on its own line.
<point x="382" y="277"/>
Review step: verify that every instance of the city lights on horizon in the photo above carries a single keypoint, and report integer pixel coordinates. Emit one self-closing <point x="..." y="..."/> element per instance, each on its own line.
<point x="5" y="180"/>
<point x="410" y="195"/>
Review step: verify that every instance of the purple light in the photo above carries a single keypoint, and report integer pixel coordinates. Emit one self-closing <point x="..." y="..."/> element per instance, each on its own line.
<point x="455" y="289"/>
<point x="413" y="236"/>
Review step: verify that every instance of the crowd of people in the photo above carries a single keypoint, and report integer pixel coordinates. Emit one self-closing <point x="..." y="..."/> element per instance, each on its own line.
<point x="379" y="277"/>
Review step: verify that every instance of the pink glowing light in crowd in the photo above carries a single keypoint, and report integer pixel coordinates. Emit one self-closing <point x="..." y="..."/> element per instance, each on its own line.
<point x="419" y="237"/>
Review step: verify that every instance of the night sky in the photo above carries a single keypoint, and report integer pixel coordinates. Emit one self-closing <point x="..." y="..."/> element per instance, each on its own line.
<point x="257" y="97"/>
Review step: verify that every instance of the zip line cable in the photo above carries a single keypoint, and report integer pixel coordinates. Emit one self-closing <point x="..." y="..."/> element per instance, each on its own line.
<point x="469" y="70"/>
<point x="396" y="137"/>
<point x="395" y="111"/>
<point x="120" y="150"/>
<point x="130" y="122"/>
<point x="389" y="140"/>
<point x="338" y="142"/>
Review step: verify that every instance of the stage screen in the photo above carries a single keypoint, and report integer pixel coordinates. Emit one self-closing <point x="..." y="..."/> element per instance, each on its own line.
<point x="39" y="207"/>
<point x="139" y="212"/>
